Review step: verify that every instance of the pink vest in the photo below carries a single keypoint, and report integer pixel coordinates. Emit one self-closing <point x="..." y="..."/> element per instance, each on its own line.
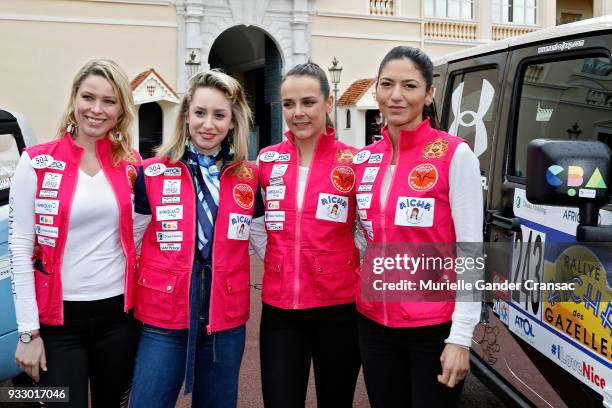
<point x="311" y="258"/>
<point x="169" y="243"/>
<point x="57" y="168"/>
<point x="417" y="209"/>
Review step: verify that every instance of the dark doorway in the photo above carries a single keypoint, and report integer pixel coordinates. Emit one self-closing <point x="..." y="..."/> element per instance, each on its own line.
<point x="150" y="128"/>
<point x="256" y="62"/>
<point x="373" y="124"/>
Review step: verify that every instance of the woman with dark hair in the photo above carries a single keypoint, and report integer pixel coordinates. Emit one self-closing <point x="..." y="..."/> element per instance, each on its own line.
<point x="308" y="293"/>
<point x="415" y="353"/>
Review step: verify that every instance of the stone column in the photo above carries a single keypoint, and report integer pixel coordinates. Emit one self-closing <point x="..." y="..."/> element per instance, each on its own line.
<point x="299" y="26"/>
<point x="483" y="17"/>
<point x="602" y="8"/>
<point x="546" y="13"/>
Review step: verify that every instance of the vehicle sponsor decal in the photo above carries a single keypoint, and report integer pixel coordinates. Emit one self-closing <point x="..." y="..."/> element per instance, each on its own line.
<point x="561" y="46"/>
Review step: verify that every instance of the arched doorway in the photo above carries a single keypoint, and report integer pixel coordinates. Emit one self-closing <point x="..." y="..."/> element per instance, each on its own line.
<point x="252" y="57"/>
<point x="150" y="128"/>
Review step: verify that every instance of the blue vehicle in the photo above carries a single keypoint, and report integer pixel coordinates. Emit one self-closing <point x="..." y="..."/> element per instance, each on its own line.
<point x="15" y="134"/>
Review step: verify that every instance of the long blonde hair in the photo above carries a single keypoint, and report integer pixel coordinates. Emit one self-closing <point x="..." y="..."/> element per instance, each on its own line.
<point x="241" y="115"/>
<point x="122" y="147"/>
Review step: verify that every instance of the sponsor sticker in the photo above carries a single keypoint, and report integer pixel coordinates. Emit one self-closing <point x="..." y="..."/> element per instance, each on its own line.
<point x="52" y="181"/>
<point x="365" y="187"/>
<point x="42" y="161"/>
<point x="587" y="193"/>
<point x="239" y="226"/>
<point x="45" y="219"/>
<point x="173" y="172"/>
<point x="273" y="205"/>
<point x="155" y="169"/>
<point x="46" y="231"/>
<point x="47" y="193"/>
<point x="275" y="216"/>
<point x="363" y="214"/>
<point x="277" y="181"/>
<point x="169" y="225"/>
<point x="172" y="187"/>
<point x="269" y="156"/>
<point x="423" y="177"/>
<point x="414" y="211"/>
<point x="368" y="228"/>
<point x="343" y="178"/>
<point x="171" y="200"/>
<point x="58" y="165"/>
<point x="170" y="246"/>
<point x="243" y="195"/>
<point x="344" y="156"/>
<point x="435" y="149"/>
<point x="285" y="157"/>
<point x="46" y="207"/>
<point x="274" y="226"/>
<point x="169" y="212"/>
<point x="369" y="175"/>
<point x="164" y="236"/>
<point x="364" y="201"/>
<point x="131" y="174"/>
<point x="46" y="241"/>
<point x="244" y="172"/>
<point x="275" y="192"/>
<point x="376" y="158"/>
<point x="361" y="157"/>
<point x="332" y="207"/>
<point x="278" y="170"/>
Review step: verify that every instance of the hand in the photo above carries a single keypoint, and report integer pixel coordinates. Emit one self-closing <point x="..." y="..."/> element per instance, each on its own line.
<point x="455" y="365"/>
<point x="30" y="357"/>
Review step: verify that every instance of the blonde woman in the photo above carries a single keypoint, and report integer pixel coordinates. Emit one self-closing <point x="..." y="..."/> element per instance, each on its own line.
<point x="193" y="277"/>
<point x="71" y="245"/>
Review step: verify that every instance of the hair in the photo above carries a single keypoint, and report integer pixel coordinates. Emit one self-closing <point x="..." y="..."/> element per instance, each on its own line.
<point x="425" y="67"/>
<point x="122" y="146"/>
<point x="312" y="70"/>
<point x="241" y="115"/>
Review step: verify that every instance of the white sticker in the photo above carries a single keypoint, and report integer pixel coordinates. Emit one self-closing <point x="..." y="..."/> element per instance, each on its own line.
<point x="365" y="187"/>
<point x="47" y="193"/>
<point x="46" y="231"/>
<point x="169" y="225"/>
<point x="169" y="212"/>
<point x="364" y="201"/>
<point x="58" y="165"/>
<point x="273" y="205"/>
<point x="369" y="175"/>
<point x="363" y="214"/>
<point x="46" y="241"/>
<point x="268" y="156"/>
<point x="274" y="226"/>
<point x="176" y="236"/>
<point x="275" y="192"/>
<point x="239" y="226"/>
<point x="285" y="157"/>
<point x="376" y="158"/>
<point x="278" y="170"/>
<point x="171" y="200"/>
<point x="155" y="169"/>
<point x="172" y="187"/>
<point x="42" y="161"/>
<point x="172" y="171"/>
<point x="46" y="207"/>
<point x="45" y="219"/>
<point x="170" y="247"/>
<point x="587" y="193"/>
<point x="275" y="216"/>
<point x="361" y="157"/>
<point x="368" y="228"/>
<point x="52" y="181"/>
<point x="278" y="181"/>
<point x="332" y="207"/>
<point x="415" y="211"/>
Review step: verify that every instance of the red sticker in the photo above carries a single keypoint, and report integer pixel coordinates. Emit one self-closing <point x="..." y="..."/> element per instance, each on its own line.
<point x="131" y="174"/>
<point x="343" y="178"/>
<point x="423" y="177"/>
<point x="243" y="195"/>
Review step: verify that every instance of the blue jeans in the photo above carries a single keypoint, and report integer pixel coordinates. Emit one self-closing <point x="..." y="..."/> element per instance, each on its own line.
<point x="160" y="368"/>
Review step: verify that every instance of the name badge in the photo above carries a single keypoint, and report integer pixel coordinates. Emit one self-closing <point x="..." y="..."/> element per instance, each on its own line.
<point x="415" y="211"/>
<point x="332" y="207"/>
<point x="239" y="226"/>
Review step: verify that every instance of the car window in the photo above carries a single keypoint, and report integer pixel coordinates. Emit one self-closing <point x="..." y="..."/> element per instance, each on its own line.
<point x="563" y="100"/>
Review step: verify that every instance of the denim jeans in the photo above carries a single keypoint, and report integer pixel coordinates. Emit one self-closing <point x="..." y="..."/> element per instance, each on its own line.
<point x="160" y="368"/>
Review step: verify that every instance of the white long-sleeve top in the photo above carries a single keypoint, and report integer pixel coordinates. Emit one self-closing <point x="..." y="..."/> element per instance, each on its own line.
<point x="93" y="264"/>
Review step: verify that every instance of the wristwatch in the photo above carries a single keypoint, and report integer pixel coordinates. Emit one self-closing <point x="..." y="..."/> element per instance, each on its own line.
<point x="27" y="337"/>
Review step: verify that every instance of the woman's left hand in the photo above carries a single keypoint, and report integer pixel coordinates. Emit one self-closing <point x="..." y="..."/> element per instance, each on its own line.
<point x="455" y="365"/>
